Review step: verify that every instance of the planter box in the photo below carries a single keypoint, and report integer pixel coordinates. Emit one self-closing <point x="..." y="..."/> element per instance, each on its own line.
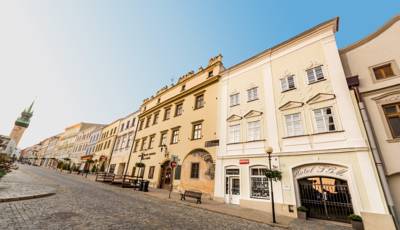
<point x="302" y="215"/>
<point x="357" y="225"/>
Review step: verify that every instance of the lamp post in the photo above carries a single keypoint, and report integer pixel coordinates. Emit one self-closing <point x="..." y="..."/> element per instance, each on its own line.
<point x="269" y="150"/>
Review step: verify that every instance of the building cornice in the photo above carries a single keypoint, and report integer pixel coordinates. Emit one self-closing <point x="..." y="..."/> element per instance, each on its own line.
<point x="368" y="38"/>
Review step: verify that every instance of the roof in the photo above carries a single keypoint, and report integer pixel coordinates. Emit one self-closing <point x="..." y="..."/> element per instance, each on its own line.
<point x="332" y="22"/>
<point x="375" y="34"/>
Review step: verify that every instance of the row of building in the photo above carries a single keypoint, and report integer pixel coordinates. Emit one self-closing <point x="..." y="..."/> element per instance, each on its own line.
<point x="331" y="116"/>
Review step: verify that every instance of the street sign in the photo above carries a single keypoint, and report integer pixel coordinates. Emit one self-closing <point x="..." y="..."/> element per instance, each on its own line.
<point x="173" y="164"/>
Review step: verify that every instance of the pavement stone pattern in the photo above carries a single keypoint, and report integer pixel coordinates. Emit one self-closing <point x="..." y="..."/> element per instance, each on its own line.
<point x="18" y="185"/>
<point x="81" y="203"/>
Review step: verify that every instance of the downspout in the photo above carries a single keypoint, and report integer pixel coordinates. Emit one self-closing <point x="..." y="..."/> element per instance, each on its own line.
<point x="377" y="156"/>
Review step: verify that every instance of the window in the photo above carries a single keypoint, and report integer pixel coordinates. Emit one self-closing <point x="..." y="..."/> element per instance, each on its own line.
<point x="151" y="172"/>
<point x="123" y="142"/>
<point x="392" y="114"/>
<point x="133" y="171"/>
<point x="122" y="127"/>
<point x="234" y="99"/>
<point x="383" y="71"/>
<point x="163" y="139"/>
<point x="234" y="133"/>
<point x="211" y="73"/>
<point x="158" y="100"/>
<point x="148" y="121"/>
<point x="143" y="143"/>
<point x="259" y="183"/>
<point x="178" y="172"/>
<point x="183" y="87"/>
<point x="199" y="103"/>
<point x="117" y="143"/>
<point x="136" y="145"/>
<point x="196" y="131"/>
<point x="112" y="168"/>
<point x="253" y="131"/>
<point x="294" y="126"/>
<point x="194" y="171"/>
<point x="141" y="124"/>
<point x="130" y="140"/>
<point x="178" y="109"/>
<point x="175" y="136"/>
<point x="142" y="169"/>
<point x="252" y="94"/>
<point x="324" y="120"/>
<point x="167" y="113"/>
<point x="315" y="74"/>
<point x="127" y="124"/>
<point x="151" y="141"/>
<point x="287" y="83"/>
<point x="155" y="119"/>
<point x="133" y="122"/>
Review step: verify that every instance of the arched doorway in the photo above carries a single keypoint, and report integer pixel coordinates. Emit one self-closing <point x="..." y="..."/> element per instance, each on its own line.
<point x="326" y="197"/>
<point x="165" y="175"/>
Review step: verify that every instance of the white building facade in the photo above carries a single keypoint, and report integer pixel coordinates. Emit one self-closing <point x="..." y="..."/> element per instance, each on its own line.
<point x="294" y="98"/>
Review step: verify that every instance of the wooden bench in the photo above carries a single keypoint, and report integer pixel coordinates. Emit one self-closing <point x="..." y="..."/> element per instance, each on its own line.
<point x="117" y="179"/>
<point x="192" y="194"/>
<point x="128" y="181"/>
<point x="100" y="176"/>
<point x="108" y="177"/>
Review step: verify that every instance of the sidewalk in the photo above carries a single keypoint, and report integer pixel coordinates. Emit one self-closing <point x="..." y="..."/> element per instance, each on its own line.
<point x="249" y="214"/>
<point x="18" y="185"/>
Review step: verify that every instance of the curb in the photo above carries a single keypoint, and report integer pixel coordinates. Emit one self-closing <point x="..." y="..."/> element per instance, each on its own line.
<point x="26" y="197"/>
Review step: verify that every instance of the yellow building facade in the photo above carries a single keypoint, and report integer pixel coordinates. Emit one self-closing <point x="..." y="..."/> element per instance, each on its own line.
<point x="180" y="121"/>
<point x="105" y="145"/>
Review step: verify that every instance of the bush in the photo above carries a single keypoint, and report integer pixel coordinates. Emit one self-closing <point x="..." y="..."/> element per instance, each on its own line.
<point x="302" y="209"/>
<point x="355" y="217"/>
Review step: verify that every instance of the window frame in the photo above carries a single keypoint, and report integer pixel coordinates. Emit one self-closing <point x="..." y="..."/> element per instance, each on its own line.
<point x="235" y="95"/>
<point x="287" y="84"/>
<point x="173" y="141"/>
<point x="192" y="172"/>
<point x="264" y="180"/>
<point x="151" y="172"/>
<point x="177" y="106"/>
<point x="197" y="133"/>
<point x="256" y="96"/>
<point x="197" y="104"/>
<point x="326" y="125"/>
<point x="233" y="140"/>
<point x="382" y="66"/>
<point x="293" y="125"/>
<point x="391" y="115"/>
<point x="249" y="138"/>
<point x="315" y="75"/>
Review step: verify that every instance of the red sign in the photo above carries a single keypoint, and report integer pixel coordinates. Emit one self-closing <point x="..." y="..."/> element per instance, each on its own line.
<point x="244" y="161"/>
<point x="173" y="164"/>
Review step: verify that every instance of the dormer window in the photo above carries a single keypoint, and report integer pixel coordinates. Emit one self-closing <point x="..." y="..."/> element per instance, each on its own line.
<point x="315" y="74"/>
<point x="183" y="87"/>
<point x="287" y="83"/>
<point x="211" y="73"/>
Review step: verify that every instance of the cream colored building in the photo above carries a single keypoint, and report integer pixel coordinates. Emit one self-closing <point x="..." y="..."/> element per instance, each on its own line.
<point x="123" y="144"/>
<point x="375" y="61"/>
<point x="51" y="151"/>
<point x="81" y="144"/>
<point x="180" y="120"/>
<point x="105" y="145"/>
<point x="294" y="98"/>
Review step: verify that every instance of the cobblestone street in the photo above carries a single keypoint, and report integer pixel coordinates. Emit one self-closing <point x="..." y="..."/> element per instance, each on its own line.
<point x="83" y="204"/>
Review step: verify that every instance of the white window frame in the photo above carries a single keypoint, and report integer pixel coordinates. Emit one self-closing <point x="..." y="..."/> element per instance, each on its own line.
<point x="324" y="118"/>
<point x="263" y="180"/>
<point x="234" y="134"/>
<point x="315" y="76"/>
<point x="175" y="138"/>
<point x="286" y="84"/>
<point x="234" y="99"/>
<point x="254" y="130"/>
<point x="294" y="124"/>
<point x="252" y="94"/>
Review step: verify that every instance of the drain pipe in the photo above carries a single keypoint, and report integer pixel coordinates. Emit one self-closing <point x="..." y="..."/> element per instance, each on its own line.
<point x="377" y="158"/>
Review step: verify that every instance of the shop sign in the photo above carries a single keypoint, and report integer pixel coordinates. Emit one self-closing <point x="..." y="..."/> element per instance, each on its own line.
<point x="244" y="161"/>
<point x="320" y="170"/>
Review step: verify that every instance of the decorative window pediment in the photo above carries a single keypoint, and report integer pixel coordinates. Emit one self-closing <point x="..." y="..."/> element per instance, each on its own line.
<point x="321" y="97"/>
<point x="252" y="113"/>
<point x="291" y="105"/>
<point x="387" y="98"/>
<point x="234" y="117"/>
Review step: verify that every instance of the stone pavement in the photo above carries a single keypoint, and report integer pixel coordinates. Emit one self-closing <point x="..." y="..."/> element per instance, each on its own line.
<point x="18" y="185"/>
<point x="81" y="203"/>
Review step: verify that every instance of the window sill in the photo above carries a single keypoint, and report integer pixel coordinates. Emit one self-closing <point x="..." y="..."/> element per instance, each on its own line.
<point x="394" y="140"/>
<point x="198" y="108"/>
<point x="245" y="142"/>
<point x="192" y="139"/>
<point x="314" y="82"/>
<point x="287" y="90"/>
<point x="252" y="100"/>
<point x="234" y="105"/>
<point x="288" y="137"/>
<point x="336" y="131"/>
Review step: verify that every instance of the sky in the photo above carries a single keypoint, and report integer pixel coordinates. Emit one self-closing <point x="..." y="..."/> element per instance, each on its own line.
<point x="95" y="61"/>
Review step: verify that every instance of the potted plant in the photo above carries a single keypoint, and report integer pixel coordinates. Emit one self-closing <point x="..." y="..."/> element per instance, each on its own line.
<point x="139" y="165"/>
<point x="302" y="212"/>
<point x="356" y="222"/>
<point x="273" y="174"/>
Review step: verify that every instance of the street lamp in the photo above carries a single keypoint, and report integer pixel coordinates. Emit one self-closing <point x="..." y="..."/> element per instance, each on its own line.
<point x="269" y="150"/>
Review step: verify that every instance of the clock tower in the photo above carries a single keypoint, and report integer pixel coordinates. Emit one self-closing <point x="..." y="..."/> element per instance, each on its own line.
<point x="21" y="124"/>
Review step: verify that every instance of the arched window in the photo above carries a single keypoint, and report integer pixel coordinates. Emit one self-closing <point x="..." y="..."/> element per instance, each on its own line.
<point x="259" y="186"/>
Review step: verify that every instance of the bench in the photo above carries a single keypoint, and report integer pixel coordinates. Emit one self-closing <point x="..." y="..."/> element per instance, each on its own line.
<point x="108" y="177"/>
<point x="100" y="176"/>
<point x="117" y="179"/>
<point x="192" y="194"/>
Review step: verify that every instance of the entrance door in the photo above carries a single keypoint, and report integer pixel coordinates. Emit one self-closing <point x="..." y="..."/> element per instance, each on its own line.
<point x="233" y="193"/>
<point x="166" y="172"/>
<point x="326" y="198"/>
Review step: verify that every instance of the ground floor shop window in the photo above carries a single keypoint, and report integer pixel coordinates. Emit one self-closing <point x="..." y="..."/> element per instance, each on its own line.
<point x="151" y="172"/>
<point x="112" y="168"/>
<point x="259" y="183"/>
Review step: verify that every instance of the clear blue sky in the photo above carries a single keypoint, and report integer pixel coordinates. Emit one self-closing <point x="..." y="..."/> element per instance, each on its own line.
<point x="96" y="61"/>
